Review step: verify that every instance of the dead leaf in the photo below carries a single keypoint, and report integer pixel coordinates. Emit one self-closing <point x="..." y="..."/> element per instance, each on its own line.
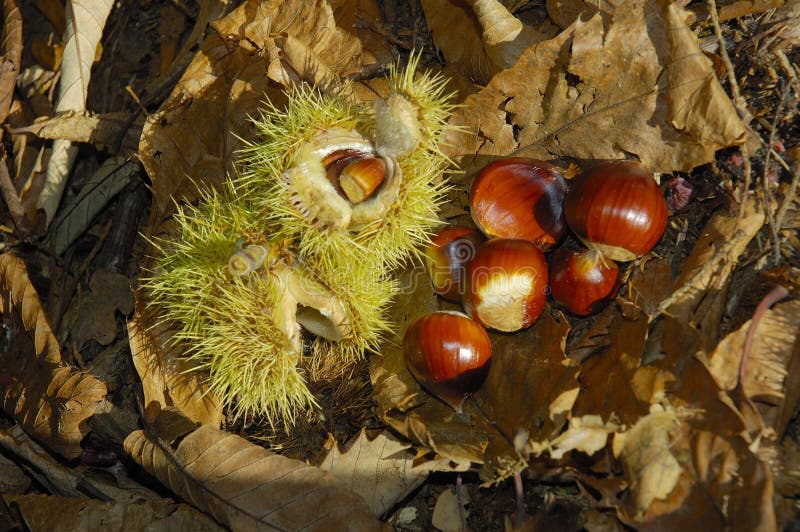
<point x="244" y="486"/>
<point x="109" y="292"/>
<point x="12" y="478"/>
<point x="450" y="513"/>
<point x="167" y="379"/>
<point x="85" y="22"/>
<point x="630" y="79"/>
<point x="51" y="401"/>
<point x="701" y="288"/>
<point x="79" y="126"/>
<point x="651" y="469"/>
<point x="64" y="514"/>
<point x="75" y="217"/>
<point x="606" y="378"/>
<point x="482" y="37"/>
<point x="771" y="371"/>
<point x="381" y="470"/>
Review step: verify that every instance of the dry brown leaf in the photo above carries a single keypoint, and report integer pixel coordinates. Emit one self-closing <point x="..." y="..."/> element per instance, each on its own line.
<point x="166" y="377"/>
<point x="482" y="36"/>
<point x="606" y="378"/>
<point x="637" y="85"/>
<point x="49" y="472"/>
<point x="85" y="22"/>
<point x="76" y="216"/>
<point x="244" y="486"/>
<point x="51" y="401"/>
<point x="701" y="288"/>
<point x="64" y="514"/>
<point x="12" y="478"/>
<point x="103" y="129"/>
<point x="449" y="512"/>
<point x="771" y="372"/>
<point x="651" y="468"/>
<point x="109" y="292"/>
<point x="381" y="470"/>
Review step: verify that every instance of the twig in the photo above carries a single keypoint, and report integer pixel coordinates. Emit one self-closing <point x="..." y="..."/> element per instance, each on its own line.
<point x="462" y="520"/>
<point x="741" y="105"/>
<point x="765" y="180"/>
<point x="24" y="228"/>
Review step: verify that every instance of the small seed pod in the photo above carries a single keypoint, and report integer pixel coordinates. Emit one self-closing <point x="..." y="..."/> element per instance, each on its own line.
<point x="247" y="260"/>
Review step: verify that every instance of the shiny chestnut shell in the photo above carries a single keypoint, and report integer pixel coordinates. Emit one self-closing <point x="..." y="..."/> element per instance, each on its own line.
<point x="520" y="198"/>
<point x="448" y="354"/>
<point x="582" y="281"/>
<point x="447" y="255"/>
<point x="617" y="208"/>
<point x="506" y="284"/>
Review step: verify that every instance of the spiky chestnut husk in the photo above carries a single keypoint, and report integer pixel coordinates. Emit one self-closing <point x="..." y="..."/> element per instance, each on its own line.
<point x="238" y="329"/>
<point x="242" y="330"/>
<point x="272" y="165"/>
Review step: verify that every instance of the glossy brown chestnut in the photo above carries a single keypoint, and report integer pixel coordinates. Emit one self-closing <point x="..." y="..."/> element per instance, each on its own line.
<point x="618" y="209"/>
<point x="583" y="281"/>
<point x="448" y="353"/>
<point x="450" y="250"/>
<point x="506" y="284"/>
<point x="520" y="198"/>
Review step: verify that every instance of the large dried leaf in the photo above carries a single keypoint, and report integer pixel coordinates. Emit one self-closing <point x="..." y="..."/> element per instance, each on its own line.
<point x="481" y="37"/>
<point x="51" y="401"/>
<point x="245" y="487"/>
<point x="112" y="176"/>
<point x="193" y="137"/>
<point x="381" y="470"/>
<point x="85" y="22"/>
<point x="167" y="379"/>
<point x="605" y="89"/>
<point x="702" y="286"/>
<point x="771" y="370"/>
<point x="56" y="514"/>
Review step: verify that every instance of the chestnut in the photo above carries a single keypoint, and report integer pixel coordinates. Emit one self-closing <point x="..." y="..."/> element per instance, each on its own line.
<point x="583" y="281"/>
<point x="506" y="284"/>
<point x="618" y="209"/>
<point x="520" y="198"/>
<point x="450" y="250"/>
<point x="448" y="354"/>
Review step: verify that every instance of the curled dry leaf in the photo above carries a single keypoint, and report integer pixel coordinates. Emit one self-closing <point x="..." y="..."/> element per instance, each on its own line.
<point x="771" y="369"/>
<point x="245" y="487"/>
<point x="381" y="470"/>
<point x="85" y="22"/>
<point x="701" y="288"/>
<point x="50" y="400"/>
<point x="637" y="84"/>
<point x="167" y="379"/>
<point x="46" y="512"/>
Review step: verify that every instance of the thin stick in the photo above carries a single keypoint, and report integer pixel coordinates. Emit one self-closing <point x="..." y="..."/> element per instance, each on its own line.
<point x="24" y="228"/>
<point x="765" y="181"/>
<point x="738" y="101"/>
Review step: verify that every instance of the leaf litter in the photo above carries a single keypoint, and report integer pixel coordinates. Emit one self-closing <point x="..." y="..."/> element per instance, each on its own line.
<point x="658" y="411"/>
